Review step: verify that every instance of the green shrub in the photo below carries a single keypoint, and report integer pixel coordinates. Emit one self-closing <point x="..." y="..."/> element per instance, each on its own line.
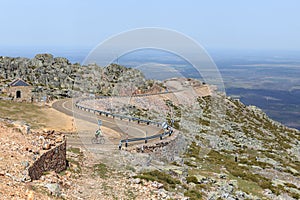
<point x="193" y="194"/>
<point x="167" y="180"/>
<point x="191" y="179"/>
<point x="188" y="163"/>
<point x="75" y="150"/>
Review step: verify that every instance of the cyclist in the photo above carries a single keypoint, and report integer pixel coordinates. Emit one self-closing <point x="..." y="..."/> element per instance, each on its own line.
<point x="98" y="133"/>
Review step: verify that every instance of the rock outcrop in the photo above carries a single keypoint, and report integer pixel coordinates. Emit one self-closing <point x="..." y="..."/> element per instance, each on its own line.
<point x="57" y="77"/>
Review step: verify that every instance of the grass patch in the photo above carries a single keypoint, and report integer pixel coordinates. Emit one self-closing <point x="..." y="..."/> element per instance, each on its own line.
<point x="28" y="112"/>
<point x="193" y="151"/>
<point x="204" y="122"/>
<point x="100" y="170"/>
<point x="290" y="185"/>
<point x="248" y="181"/>
<point x="191" y="179"/>
<point x="175" y="163"/>
<point x="167" y="180"/>
<point x="74" y="166"/>
<point x="188" y="163"/>
<point x="193" y="194"/>
<point x="75" y="150"/>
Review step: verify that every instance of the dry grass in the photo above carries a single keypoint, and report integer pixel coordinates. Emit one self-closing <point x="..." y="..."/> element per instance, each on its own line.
<point x="36" y="116"/>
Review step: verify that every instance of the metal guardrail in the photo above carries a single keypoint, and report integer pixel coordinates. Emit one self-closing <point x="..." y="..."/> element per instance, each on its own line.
<point x="126" y="141"/>
<point x="121" y="117"/>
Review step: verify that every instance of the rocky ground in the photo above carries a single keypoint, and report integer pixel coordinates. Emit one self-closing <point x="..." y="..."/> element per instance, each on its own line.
<point x="19" y="148"/>
<point x="85" y="177"/>
<point x="231" y="151"/>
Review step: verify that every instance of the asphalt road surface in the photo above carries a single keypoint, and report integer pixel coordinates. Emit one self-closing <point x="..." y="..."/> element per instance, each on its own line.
<point x="125" y="128"/>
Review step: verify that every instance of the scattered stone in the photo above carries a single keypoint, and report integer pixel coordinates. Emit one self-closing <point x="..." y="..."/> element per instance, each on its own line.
<point x="54" y="189"/>
<point x="222" y="176"/>
<point x="25" y="164"/>
<point x="157" y="185"/>
<point x="233" y="183"/>
<point x="292" y="170"/>
<point x="46" y="146"/>
<point x="278" y="182"/>
<point x="30" y="195"/>
<point x="200" y="178"/>
<point x="136" y="181"/>
<point x="294" y="190"/>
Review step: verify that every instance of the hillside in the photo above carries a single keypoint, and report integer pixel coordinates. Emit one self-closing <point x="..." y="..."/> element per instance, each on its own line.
<point x="229" y="150"/>
<point x="225" y="150"/>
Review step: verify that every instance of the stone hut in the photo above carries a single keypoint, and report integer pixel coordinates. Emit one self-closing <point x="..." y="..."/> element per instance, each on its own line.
<point x="20" y="91"/>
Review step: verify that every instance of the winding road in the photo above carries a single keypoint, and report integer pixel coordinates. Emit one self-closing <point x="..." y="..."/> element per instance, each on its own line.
<point x="125" y="128"/>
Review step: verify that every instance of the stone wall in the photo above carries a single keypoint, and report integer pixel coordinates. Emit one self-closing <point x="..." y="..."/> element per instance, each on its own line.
<point x="167" y="149"/>
<point x="52" y="160"/>
<point x="173" y="150"/>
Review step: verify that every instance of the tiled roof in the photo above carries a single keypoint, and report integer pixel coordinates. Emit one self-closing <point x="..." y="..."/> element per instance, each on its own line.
<point x="18" y="82"/>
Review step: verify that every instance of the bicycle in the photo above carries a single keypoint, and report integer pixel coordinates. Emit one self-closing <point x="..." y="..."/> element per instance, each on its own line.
<point x="98" y="140"/>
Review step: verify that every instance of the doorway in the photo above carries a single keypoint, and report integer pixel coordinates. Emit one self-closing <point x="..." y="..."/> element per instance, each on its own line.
<point x="18" y="94"/>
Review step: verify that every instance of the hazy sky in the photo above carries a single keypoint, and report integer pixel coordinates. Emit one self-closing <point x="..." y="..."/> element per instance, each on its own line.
<point x="255" y="24"/>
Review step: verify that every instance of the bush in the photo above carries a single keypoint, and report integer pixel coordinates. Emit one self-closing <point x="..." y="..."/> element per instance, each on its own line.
<point x="167" y="180"/>
<point x="191" y="179"/>
<point x="193" y="194"/>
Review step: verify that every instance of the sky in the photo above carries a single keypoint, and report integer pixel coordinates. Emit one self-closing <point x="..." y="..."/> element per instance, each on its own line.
<point x="230" y="24"/>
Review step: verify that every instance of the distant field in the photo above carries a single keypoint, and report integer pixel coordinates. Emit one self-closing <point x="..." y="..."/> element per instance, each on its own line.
<point x="36" y="116"/>
<point x="282" y="106"/>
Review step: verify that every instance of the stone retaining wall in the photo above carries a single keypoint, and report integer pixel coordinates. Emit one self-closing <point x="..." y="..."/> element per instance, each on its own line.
<point x="167" y="149"/>
<point x="52" y="160"/>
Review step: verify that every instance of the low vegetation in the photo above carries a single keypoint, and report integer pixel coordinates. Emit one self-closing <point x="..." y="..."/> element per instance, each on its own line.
<point x="100" y="170"/>
<point x="167" y="180"/>
<point x="28" y="112"/>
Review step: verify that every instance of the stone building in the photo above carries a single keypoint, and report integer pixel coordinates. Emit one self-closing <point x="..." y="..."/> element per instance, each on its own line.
<point x="19" y="90"/>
